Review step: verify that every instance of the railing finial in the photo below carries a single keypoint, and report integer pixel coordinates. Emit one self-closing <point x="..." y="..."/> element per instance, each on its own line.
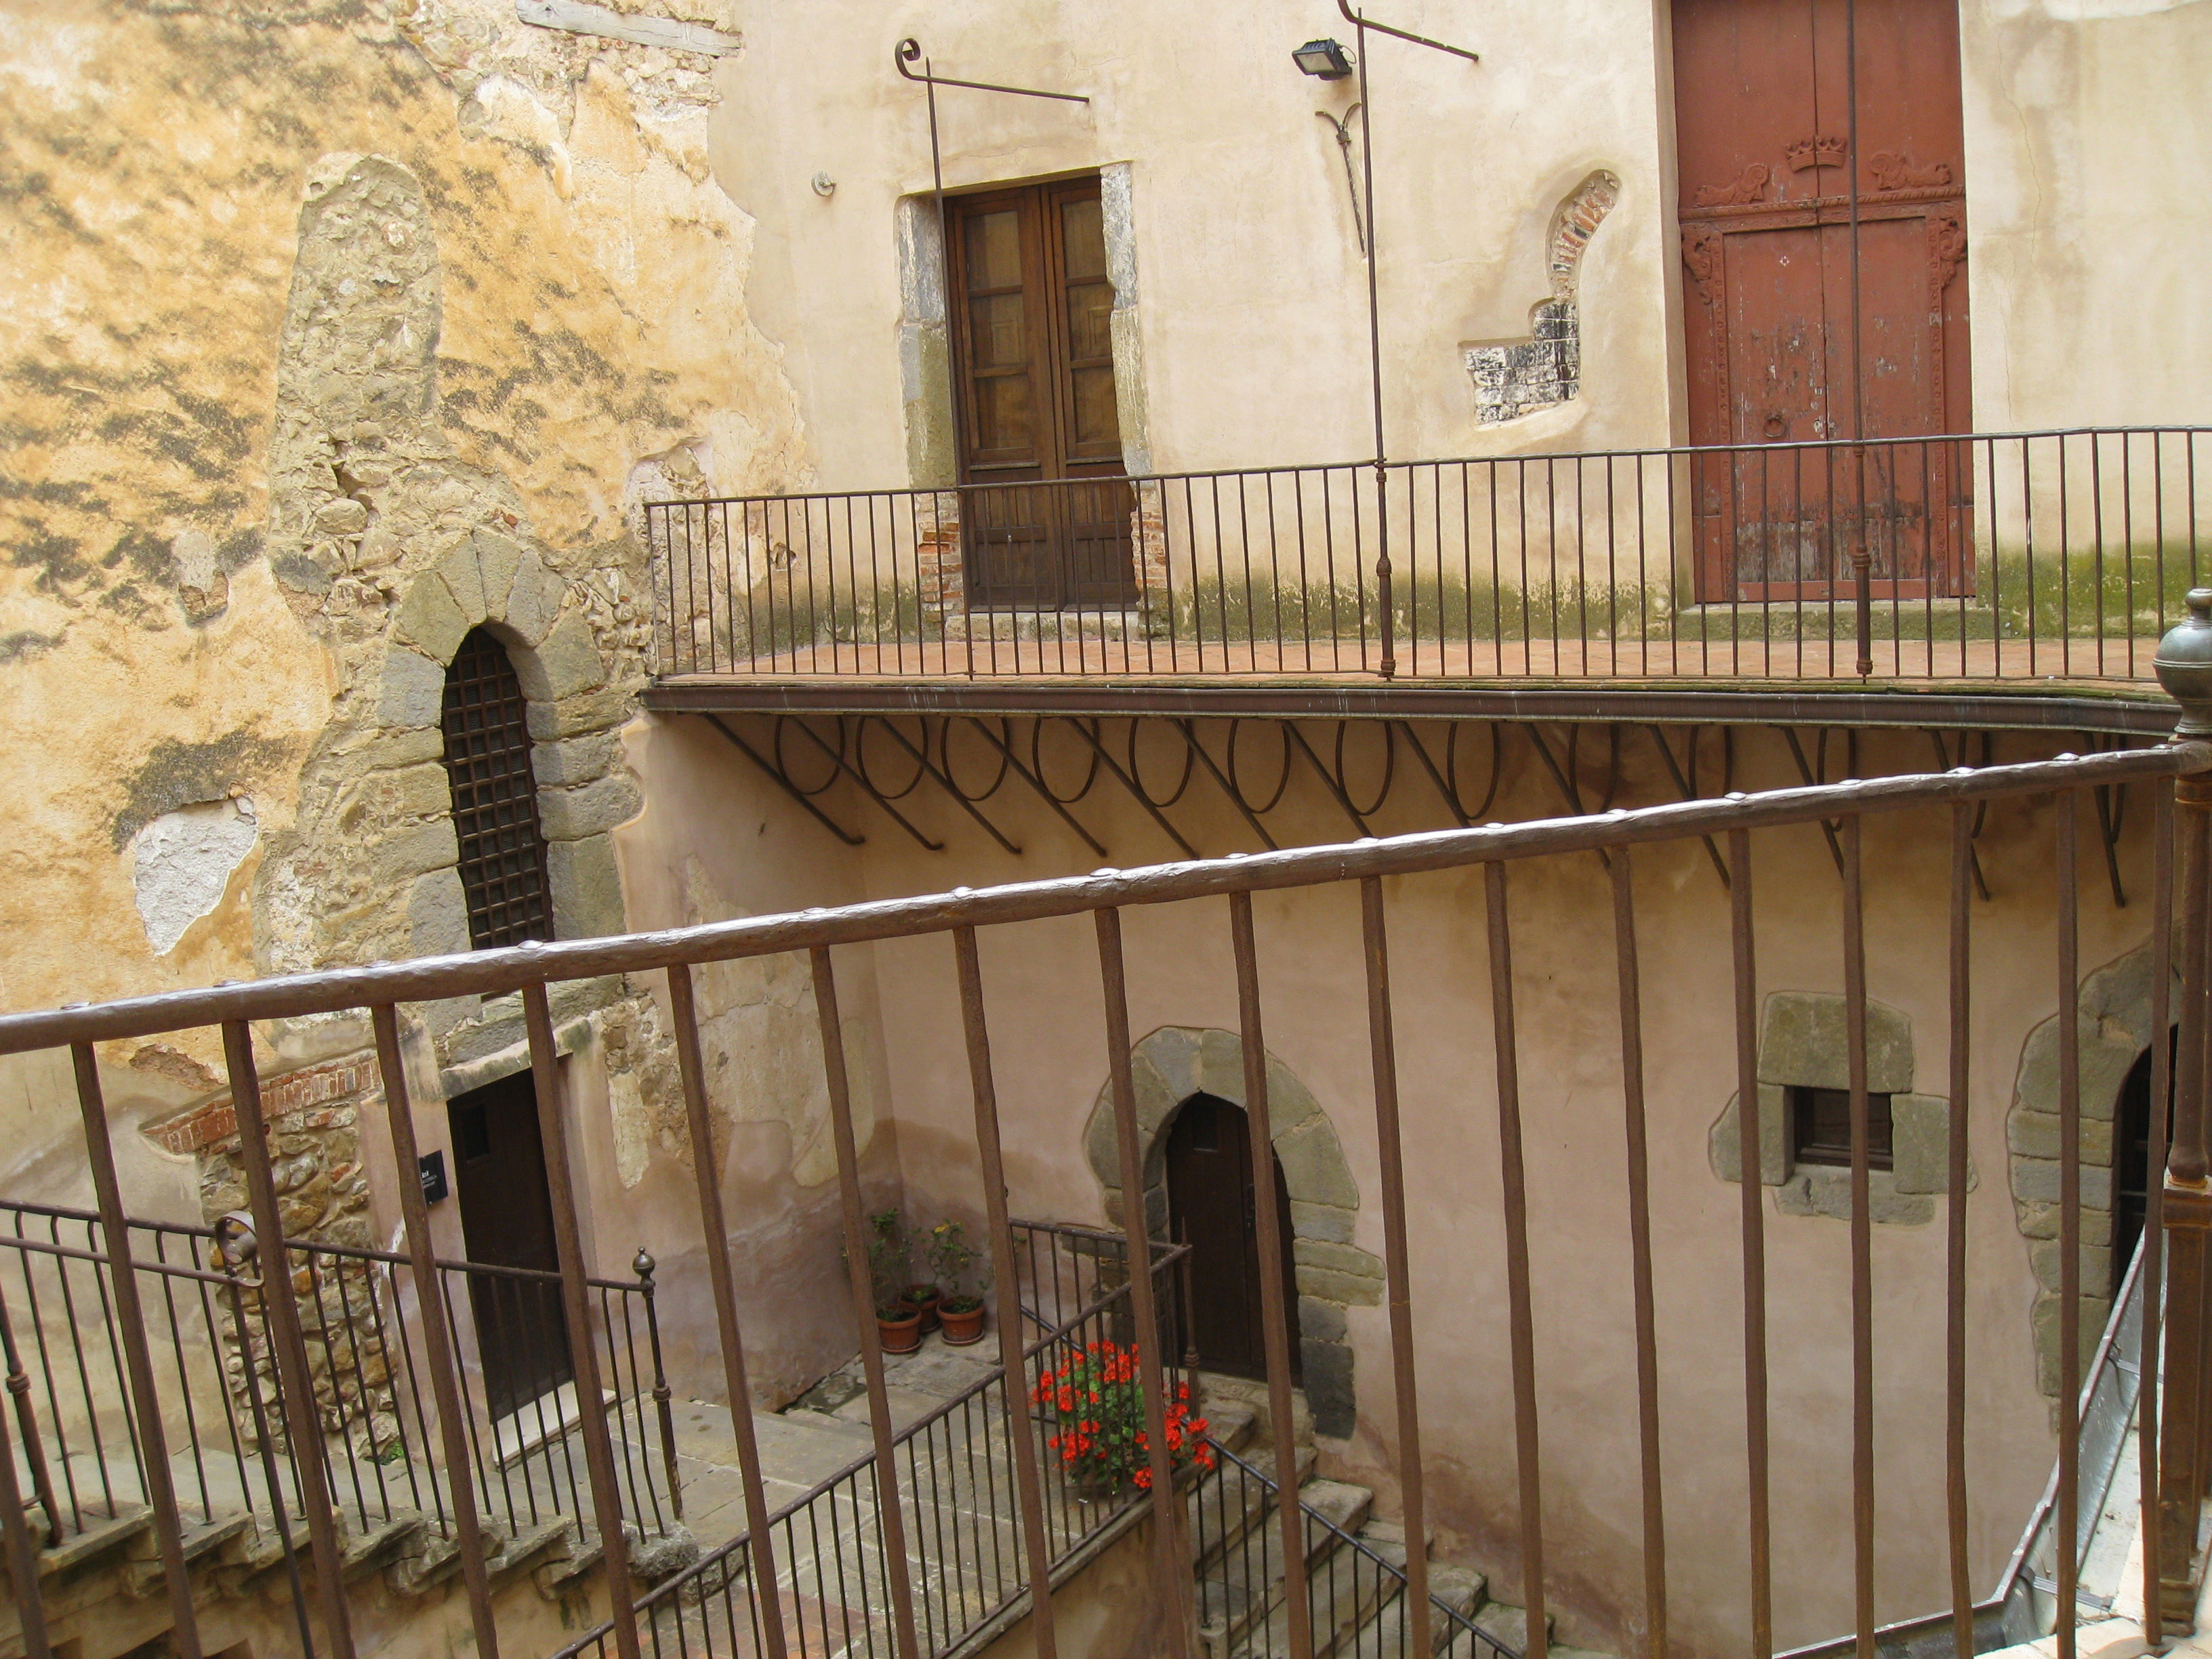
<point x="2184" y="665"/>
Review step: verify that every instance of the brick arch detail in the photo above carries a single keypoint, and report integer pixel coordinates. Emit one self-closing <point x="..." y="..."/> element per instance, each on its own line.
<point x="1176" y="1062"/>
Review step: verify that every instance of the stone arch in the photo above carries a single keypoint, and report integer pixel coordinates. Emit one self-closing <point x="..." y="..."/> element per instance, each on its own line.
<point x="1334" y="1274"/>
<point x="2113" y="1031"/>
<point x="493" y="580"/>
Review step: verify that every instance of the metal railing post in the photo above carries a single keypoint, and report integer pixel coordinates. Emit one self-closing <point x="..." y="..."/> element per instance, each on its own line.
<point x="2183" y="666"/>
<point x="642" y="1264"/>
<point x="280" y="1307"/>
<point x="445" y="1388"/>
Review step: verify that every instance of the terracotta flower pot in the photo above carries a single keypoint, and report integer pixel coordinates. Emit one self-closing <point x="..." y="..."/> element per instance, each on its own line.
<point x="924" y="1300"/>
<point x="900" y="1328"/>
<point x="962" y="1326"/>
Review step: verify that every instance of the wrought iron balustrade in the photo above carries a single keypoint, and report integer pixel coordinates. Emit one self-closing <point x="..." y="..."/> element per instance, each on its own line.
<point x="76" y="1421"/>
<point x="1990" y="556"/>
<point x="911" y="1564"/>
<point x="955" y="1478"/>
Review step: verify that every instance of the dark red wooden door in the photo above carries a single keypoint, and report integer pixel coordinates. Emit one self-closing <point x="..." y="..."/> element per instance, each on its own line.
<point x="1213" y="1206"/>
<point x="1034" y="355"/>
<point x="507" y="1221"/>
<point x="1791" y="339"/>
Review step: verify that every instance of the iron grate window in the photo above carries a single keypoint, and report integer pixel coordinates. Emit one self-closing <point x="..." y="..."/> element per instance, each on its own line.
<point x="502" y="867"/>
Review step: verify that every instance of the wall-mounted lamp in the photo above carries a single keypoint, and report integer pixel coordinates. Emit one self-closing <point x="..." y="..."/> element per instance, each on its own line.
<point x="1324" y="60"/>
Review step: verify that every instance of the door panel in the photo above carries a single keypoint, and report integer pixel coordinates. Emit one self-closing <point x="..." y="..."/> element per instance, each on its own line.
<point x="507" y="1221"/>
<point x="1763" y="139"/>
<point x="1212" y="1208"/>
<point x="1033" y="369"/>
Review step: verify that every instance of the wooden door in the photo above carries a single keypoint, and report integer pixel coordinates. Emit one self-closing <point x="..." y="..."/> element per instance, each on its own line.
<point x="1033" y="371"/>
<point x="1213" y="1206"/>
<point x="1764" y="105"/>
<point x="507" y="1221"/>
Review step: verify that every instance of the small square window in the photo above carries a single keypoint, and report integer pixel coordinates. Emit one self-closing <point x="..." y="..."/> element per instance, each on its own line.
<point x="1820" y="1127"/>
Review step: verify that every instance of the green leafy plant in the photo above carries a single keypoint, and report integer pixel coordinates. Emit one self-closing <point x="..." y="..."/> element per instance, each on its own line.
<point x="889" y="1250"/>
<point x="952" y="1259"/>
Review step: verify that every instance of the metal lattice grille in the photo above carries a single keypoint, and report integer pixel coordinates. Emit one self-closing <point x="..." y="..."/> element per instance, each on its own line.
<point x="495" y="797"/>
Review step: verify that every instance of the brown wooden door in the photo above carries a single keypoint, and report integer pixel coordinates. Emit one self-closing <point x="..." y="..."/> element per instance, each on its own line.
<point x="1213" y="1206"/>
<point x="1762" y="137"/>
<point x="507" y="1221"/>
<point x="1033" y="371"/>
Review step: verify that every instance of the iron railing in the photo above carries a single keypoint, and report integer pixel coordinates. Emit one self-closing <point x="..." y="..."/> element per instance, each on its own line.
<point x="2012" y="556"/>
<point x="1356" y="1600"/>
<point x="2177" y="777"/>
<point x="76" y="1424"/>
<point x="955" y="1477"/>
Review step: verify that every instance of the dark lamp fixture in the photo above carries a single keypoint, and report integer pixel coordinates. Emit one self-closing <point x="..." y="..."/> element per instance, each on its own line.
<point x="1324" y="59"/>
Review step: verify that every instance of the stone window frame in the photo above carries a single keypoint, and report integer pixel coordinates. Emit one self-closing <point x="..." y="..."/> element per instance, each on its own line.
<point x="495" y="581"/>
<point x="1803" y="1043"/>
<point x="1167" y="1067"/>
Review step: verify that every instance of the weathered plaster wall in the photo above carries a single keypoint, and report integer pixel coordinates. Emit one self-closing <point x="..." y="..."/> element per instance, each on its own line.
<point x="2086" y="167"/>
<point x="1041" y="983"/>
<point x="2086" y="171"/>
<point x="1250" y="327"/>
<point x="256" y="385"/>
<point x="338" y="327"/>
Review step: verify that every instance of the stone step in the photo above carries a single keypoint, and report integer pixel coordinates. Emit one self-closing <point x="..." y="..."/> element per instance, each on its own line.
<point x="1224" y="1506"/>
<point x="221" y="1539"/>
<point x="1343" y="1589"/>
<point x="1215" y="1389"/>
<point x="101" y="1539"/>
<point x="1241" y="1591"/>
<point x="1505" y="1624"/>
<point x="1385" y="1634"/>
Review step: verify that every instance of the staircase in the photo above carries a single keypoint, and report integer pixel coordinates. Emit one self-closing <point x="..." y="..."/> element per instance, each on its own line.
<point x="103" y="1593"/>
<point x="1355" y="1563"/>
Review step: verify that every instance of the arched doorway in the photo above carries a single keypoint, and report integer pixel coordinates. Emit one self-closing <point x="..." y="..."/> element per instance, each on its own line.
<point x="2131" y="1171"/>
<point x="1213" y="1206"/>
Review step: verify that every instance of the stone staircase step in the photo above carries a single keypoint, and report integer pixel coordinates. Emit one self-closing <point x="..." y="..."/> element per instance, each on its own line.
<point x="1215" y="1389"/>
<point x="1385" y="1635"/>
<point x="99" y="1540"/>
<point x="1342" y="1590"/>
<point x="208" y="1540"/>
<point x="1230" y="1504"/>
<point x="1242" y="1586"/>
<point x="361" y="1553"/>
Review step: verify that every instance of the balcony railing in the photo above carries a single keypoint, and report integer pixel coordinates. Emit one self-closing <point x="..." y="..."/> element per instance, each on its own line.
<point x="225" y="1449"/>
<point x="2016" y="556"/>
<point x="2001" y="957"/>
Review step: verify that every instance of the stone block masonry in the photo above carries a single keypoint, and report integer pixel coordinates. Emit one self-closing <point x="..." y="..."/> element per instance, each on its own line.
<point x="1332" y="1274"/>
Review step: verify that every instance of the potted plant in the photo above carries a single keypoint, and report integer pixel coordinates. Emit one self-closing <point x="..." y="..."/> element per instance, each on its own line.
<point x="898" y="1323"/>
<point x="1096" y="1405"/>
<point x="952" y="1257"/>
<point x="924" y="1296"/>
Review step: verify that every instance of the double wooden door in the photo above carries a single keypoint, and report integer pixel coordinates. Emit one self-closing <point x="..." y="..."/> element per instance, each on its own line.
<point x="1213" y="1207"/>
<point x="507" y="1221"/>
<point x="1045" y="513"/>
<point x="1793" y="339"/>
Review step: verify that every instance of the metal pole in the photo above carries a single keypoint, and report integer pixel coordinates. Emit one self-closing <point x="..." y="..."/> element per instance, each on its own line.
<point x="1389" y="665"/>
<point x="445" y="1387"/>
<point x="707" y="1170"/>
<point x="1861" y="555"/>
<point x="2187" y="1205"/>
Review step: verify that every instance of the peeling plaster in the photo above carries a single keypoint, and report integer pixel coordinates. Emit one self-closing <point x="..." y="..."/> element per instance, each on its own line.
<point x="182" y="861"/>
